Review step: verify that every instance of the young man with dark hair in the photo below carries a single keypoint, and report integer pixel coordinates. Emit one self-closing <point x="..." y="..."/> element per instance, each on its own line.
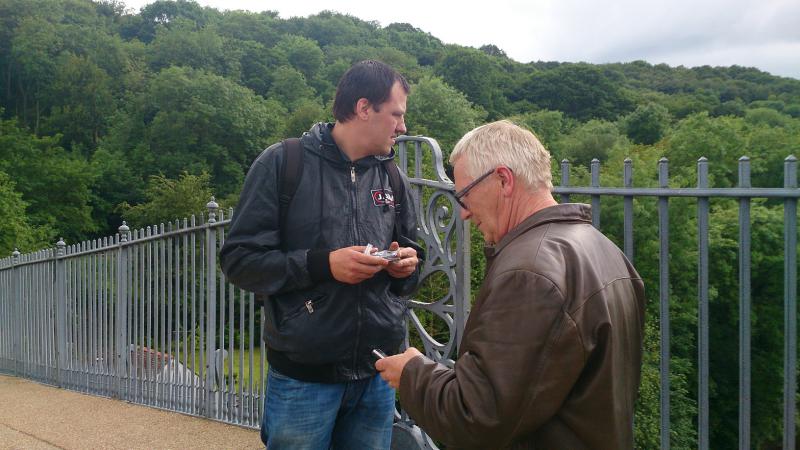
<point x="329" y="303"/>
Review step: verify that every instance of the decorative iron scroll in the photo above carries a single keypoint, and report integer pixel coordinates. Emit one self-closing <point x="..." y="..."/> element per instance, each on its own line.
<point x="444" y="276"/>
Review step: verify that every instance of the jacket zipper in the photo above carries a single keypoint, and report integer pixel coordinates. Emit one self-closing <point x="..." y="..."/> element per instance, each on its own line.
<point x="354" y="200"/>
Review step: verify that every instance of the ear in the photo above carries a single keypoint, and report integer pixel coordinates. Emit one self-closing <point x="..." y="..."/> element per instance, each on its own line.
<point x="507" y="180"/>
<point x="363" y="107"/>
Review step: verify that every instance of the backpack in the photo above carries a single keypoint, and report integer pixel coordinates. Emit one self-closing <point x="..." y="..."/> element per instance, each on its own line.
<point x="293" y="171"/>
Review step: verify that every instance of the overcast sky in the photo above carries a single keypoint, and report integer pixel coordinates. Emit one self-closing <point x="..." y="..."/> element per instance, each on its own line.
<point x="759" y="33"/>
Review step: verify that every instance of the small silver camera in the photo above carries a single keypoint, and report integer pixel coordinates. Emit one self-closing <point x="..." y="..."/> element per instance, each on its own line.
<point x="389" y="255"/>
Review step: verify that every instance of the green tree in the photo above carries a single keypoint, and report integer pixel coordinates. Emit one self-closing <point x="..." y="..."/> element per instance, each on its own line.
<point x="766" y="116"/>
<point x="647" y="124"/>
<point x="181" y="44"/>
<point x="115" y="182"/>
<point x="189" y="120"/>
<point x="162" y="13"/>
<point x="300" y="120"/>
<point x="594" y="139"/>
<point x="83" y="102"/>
<point x="478" y="75"/>
<point x="289" y="87"/>
<point x="54" y="183"/>
<point x="169" y="199"/>
<point x="15" y="228"/>
<point x="438" y="110"/>
<point x="581" y="91"/>
<point x="34" y="48"/>
<point x="302" y="53"/>
<point x="548" y="126"/>
<point x="424" y="46"/>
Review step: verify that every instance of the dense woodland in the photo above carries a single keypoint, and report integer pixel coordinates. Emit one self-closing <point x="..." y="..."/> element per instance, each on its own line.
<point x="108" y="114"/>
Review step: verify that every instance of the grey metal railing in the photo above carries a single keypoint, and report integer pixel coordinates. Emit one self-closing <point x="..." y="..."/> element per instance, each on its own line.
<point x="147" y="316"/>
<point x="744" y="193"/>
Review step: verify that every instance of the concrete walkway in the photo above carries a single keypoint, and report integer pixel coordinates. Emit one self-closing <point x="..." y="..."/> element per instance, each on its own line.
<point x="35" y="416"/>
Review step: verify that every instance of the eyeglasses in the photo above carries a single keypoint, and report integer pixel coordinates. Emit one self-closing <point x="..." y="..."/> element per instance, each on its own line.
<point x="462" y="193"/>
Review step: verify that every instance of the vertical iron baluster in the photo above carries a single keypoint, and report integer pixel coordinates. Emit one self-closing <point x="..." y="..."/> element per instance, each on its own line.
<point x="702" y="299"/>
<point x="163" y="351"/>
<point x="627" y="178"/>
<point x="211" y="309"/>
<point x="241" y="357"/>
<point x="564" y="179"/>
<point x="789" y="304"/>
<point x="252" y="394"/>
<point x="195" y="280"/>
<point x="61" y="313"/>
<point x="744" y="307"/>
<point x="595" y="197"/>
<point x="663" y="265"/>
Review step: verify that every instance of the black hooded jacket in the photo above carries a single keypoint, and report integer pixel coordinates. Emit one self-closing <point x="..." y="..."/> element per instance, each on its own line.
<point x="316" y="328"/>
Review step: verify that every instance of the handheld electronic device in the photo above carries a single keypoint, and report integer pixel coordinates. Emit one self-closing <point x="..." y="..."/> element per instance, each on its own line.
<point x="389" y="255"/>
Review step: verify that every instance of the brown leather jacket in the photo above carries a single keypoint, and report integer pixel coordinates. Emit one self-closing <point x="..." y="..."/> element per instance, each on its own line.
<point x="552" y="350"/>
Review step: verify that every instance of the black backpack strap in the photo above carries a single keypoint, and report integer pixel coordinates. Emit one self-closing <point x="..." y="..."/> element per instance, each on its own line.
<point x="290" y="179"/>
<point x="399" y="193"/>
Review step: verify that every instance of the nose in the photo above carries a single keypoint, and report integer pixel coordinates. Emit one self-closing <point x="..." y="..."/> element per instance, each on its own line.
<point x="401" y="127"/>
<point x="464" y="213"/>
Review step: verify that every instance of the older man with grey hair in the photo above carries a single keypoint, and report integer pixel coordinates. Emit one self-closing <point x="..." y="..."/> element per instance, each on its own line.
<point x="551" y="353"/>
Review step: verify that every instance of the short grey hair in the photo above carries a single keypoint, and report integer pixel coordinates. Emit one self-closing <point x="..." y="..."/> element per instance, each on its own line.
<point x="504" y="143"/>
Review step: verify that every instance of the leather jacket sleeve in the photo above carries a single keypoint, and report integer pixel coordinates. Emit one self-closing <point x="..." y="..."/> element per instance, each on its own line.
<point x="518" y="361"/>
<point x="251" y="257"/>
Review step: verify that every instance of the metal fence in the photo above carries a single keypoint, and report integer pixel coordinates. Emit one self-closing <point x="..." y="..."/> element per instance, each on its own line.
<point x="148" y="317"/>
<point x="744" y="194"/>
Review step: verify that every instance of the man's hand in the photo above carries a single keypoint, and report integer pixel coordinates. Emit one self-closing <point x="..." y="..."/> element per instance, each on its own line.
<point x="405" y="266"/>
<point x="391" y="368"/>
<point x="350" y="265"/>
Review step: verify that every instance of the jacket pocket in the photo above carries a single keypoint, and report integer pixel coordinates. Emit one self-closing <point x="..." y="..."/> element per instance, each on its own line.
<point x="309" y="305"/>
<point x="313" y="328"/>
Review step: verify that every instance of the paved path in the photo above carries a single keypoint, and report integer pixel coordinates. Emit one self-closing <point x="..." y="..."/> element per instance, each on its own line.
<point x="35" y="416"/>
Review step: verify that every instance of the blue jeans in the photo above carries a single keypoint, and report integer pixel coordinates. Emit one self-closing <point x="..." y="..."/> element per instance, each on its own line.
<point x="299" y="415"/>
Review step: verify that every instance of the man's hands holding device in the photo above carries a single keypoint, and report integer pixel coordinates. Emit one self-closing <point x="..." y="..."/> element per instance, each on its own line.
<point x="357" y="263"/>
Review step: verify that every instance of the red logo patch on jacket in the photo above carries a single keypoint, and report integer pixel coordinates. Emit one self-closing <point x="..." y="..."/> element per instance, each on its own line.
<point x="382" y="197"/>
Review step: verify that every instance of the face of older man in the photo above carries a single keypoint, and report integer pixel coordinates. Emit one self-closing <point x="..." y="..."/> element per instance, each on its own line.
<point x="481" y="201"/>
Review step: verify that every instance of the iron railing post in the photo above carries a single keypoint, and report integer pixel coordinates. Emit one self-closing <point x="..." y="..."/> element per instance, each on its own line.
<point x="211" y="306"/>
<point x="702" y="298"/>
<point x="595" y="167"/>
<point x="121" y="316"/>
<point x="663" y="288"/>
<point x="16" y="308"/>
<point x="564" y="179"/>
<point x="790" y="304"/>
<point x="627" y="232"/>
<point x="744" y="307"/>
<point x="60" y="312"/>
<point x="463" y="282"/>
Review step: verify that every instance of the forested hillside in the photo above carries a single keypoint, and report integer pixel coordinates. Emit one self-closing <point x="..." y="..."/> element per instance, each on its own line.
<point x="108" y="114"/>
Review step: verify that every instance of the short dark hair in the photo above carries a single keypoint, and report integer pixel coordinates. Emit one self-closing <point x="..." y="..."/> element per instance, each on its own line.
<point x="370" y="79"/>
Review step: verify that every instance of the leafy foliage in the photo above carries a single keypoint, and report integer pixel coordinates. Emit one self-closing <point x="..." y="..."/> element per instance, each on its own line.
<point x="166" y="197"/>
<point x="436" y="109"/>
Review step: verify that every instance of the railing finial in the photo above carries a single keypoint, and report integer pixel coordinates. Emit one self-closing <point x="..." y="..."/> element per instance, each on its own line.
<point x="212" y="210"/>
<point x="124" y="231"/>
